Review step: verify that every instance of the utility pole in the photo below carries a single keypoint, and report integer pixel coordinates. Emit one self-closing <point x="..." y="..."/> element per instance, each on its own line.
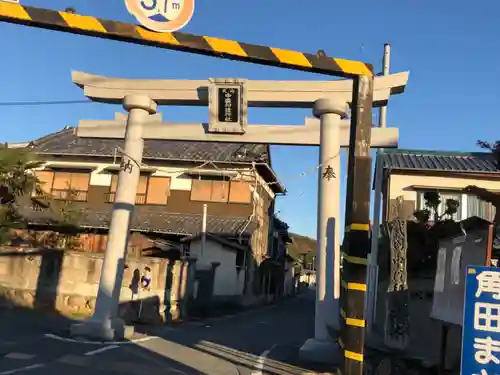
<point x="357" y="236"/>
<point x="377" y="208"/>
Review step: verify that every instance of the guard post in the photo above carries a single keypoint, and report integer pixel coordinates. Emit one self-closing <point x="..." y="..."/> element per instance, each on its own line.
<point x="356" y="244"/>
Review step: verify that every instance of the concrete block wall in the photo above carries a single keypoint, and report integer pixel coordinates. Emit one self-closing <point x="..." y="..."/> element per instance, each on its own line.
<point x="68" y="282"/>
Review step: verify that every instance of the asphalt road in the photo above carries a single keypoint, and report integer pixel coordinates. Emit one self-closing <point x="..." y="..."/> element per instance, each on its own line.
<point x="258" y="342"/>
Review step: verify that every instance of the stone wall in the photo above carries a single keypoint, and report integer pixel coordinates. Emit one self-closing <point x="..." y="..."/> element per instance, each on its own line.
<point x="68" y="282"/>
<point x="425" y="333"/>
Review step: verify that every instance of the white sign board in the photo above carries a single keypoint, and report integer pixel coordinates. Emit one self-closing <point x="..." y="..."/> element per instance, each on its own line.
<point x="454" y="256"/>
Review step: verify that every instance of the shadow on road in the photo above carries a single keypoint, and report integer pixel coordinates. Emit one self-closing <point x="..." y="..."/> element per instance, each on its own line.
<point x="21" y="326"/>
<point x="215" y="347"/>
<point x="264" y="341"/>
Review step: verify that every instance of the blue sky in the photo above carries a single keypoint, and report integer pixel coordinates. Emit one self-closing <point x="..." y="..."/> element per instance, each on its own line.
<point x="450" y="48"/>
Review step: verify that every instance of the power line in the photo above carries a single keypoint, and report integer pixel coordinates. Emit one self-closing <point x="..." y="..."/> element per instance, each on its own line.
<point x="54" y="102"/>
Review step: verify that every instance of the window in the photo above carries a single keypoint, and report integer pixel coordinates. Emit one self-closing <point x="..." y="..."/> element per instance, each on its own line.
<point x="186" y="249"/>
<point x="477" y="207"/>
<point x="442" y="207"/>
<point x="241" y="258"/>
<point x="210" y="191"/>
<point x="158" y="190"/>
<point x="65" y="185"/>
<point x="201" y="190"/>
<point x="221" y="191"/>
<point x="275" y="247"/>
<point x="45" y="179"/>
<point x="239" y="192"/>
<point x="470" y="205"/>
<point x="140" y="197"/>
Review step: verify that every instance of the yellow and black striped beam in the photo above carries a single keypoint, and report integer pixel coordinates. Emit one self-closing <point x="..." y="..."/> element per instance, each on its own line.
<point x="353" y="321"/>
<point x="203" y="45"/>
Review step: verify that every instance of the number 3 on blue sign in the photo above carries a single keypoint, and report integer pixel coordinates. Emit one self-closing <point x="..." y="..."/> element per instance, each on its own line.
<point x="153" y="5"/>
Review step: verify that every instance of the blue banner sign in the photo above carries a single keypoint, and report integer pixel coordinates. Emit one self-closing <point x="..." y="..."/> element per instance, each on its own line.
<point x="481" y="326"/>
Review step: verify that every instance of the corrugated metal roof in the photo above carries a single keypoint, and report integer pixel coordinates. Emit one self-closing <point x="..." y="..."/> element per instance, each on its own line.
<point x="444" y="161"/>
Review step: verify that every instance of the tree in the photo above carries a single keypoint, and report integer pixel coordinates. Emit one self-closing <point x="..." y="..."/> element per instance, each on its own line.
<point x="15" y="181"/>
<point x="69" y="216"/>
<point x="423" y="236"/>
<point x="484" y="194"/>
<point x="17" y="178"/>
<point x="432" y="201"/>
<point x="494" y="148"/>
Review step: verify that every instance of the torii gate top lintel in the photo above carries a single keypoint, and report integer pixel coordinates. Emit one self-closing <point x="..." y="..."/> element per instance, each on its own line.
<point x="260" y="93"/>
<point x="203" y="45"/>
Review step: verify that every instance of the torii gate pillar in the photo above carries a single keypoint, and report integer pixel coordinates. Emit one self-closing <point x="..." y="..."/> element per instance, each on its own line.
<point x="105" y="323"/>
<point x="323" y="348"/>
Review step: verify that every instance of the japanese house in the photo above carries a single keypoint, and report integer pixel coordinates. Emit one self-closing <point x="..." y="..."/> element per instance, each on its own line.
<point x="236" y="181"/>
<point x="411" y="173"/>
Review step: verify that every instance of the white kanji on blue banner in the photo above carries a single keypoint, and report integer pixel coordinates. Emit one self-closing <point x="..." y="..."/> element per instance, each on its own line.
<point x="481" y="325"/>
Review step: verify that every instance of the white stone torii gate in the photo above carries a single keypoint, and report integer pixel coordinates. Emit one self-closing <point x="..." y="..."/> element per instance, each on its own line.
<point x="329" y="100"/>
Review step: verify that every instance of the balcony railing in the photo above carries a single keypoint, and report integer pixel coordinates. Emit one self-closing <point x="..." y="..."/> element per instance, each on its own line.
<point x="73" y="195"/>
<point x="63" y="194"/>
<point x="139" y="198"/>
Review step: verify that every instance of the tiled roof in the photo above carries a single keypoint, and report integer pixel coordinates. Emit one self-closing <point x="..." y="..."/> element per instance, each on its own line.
<point x="146" y="218"/>
<point x="66" y="142"/>
<point x="223" y="241"/>
<point x="479" y="162"/>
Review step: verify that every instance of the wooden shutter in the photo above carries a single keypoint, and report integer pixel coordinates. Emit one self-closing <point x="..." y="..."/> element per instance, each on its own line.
<point x="220" y="191"/>
<point x="62" y="180"/>
<point x="143" y="184"/>
<point x="201" y="190"/>
<point x="45" y="179"/>
<point x="80" y="181"/>
<point x="158" y="190"/>
<point x="240" y="192"/>
<point x="114" y="183"/>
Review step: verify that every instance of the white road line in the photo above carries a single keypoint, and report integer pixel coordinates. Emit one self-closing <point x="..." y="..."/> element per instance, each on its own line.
<point x="20" y="356"/>
<point x="100" y="350"/>
<point x="67" y="339"/>
<point x="14" y="371"/>
<point x="261" y="362"/>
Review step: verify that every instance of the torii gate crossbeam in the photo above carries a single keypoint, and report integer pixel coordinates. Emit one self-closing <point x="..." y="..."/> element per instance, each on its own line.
<point x="291" y="135"/>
